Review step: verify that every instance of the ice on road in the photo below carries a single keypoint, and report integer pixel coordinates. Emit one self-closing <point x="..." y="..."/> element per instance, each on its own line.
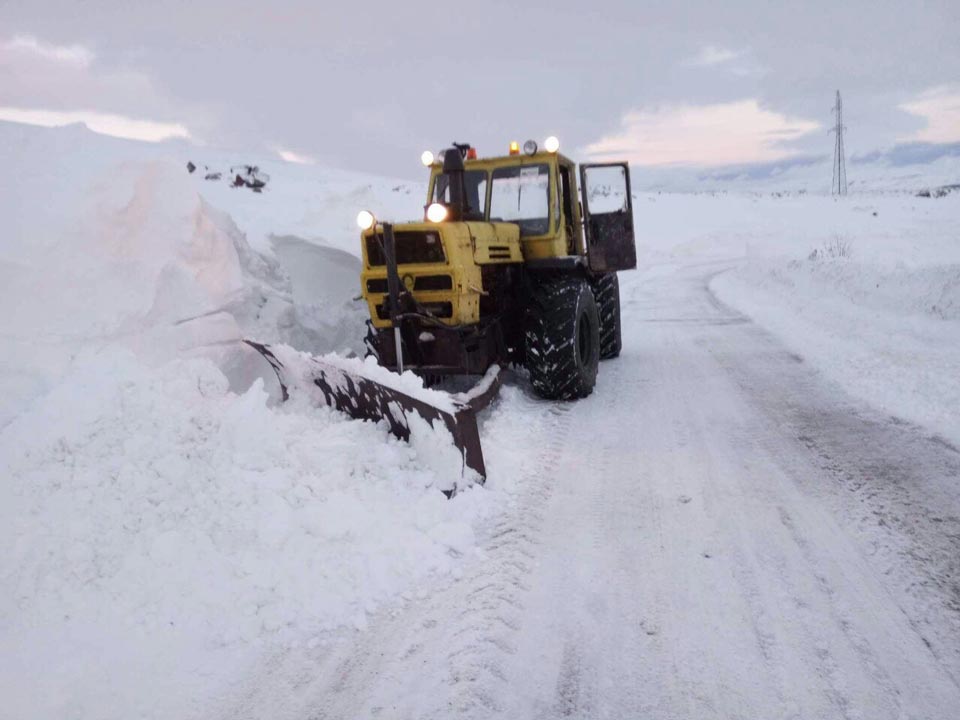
<point x="717" y="532"/>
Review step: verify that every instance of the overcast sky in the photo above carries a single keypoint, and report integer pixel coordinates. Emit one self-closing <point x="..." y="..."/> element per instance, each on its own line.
<point x="369" y="85"/>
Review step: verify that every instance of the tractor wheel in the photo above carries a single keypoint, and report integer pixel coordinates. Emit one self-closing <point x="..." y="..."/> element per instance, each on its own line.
<point x="606" y="289"/>
<point x="562" y="337"/>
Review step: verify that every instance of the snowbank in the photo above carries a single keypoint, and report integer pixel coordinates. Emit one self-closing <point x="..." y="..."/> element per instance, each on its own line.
<point x="113" y="241"/>
<point x="868" y="290"/>
<point x="165" y="524"/>
<point x="159" y="530"/>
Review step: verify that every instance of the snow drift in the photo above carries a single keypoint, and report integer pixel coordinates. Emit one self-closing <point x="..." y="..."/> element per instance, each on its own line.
<point x="159" y="526"/>
<point x="165" y="522"/>
<point x="866" y="288"/>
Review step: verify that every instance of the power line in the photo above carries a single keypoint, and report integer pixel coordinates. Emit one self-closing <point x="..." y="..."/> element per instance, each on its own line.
<point x="839" y="185"/>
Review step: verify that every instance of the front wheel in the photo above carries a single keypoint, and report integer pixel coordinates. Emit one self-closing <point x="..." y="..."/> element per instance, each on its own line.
<point x="562" y="338"/>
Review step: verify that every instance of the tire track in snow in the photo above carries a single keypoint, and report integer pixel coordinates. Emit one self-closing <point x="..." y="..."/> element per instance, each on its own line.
<point x="442" y="654"/>
<point x="474" y="622"/>
<point x="893" y="483"/>
<point x="496" y="596"/>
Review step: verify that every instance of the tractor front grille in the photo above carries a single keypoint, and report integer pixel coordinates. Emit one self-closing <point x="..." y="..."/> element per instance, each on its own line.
<point x="413" y="246"/>
<point x="421" y="283"/>
<point x="433" y="282"/>
<point x="437" y="309"/>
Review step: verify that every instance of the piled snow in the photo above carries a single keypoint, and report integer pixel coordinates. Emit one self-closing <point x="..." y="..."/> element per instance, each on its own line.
<point x="113" y="241"/>
<point x="316" y="204"/>
<point x="302" y="367"/>
<point x="165" y="524"/>
<point x="158" y="526"/>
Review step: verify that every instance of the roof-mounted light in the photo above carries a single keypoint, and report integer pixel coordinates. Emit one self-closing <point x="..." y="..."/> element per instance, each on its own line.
<point x="551" y="144"/>
<point x="426" y="158"/>
<point x="530" y="147"/>
<point x="366" y="220"/>
<point x="471" y="153"/>
<point x="514" y="148"/>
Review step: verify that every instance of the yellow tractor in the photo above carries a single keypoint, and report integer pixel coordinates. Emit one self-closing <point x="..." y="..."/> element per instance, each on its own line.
<point x="510" y="265"/>
<point x="507" y="266"/>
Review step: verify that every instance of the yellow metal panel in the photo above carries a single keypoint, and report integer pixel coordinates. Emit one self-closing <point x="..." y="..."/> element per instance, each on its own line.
<point x="459" y="264"/>
<point x="495" y="243"/>
<point x="544" y="246"/>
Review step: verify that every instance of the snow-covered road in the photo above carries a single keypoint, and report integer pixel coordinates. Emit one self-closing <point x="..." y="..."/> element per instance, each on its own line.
<point x="718" y="532"/>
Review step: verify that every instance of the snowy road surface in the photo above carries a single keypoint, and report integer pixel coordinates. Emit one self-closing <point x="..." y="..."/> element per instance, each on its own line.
<point x="718" y="532"/>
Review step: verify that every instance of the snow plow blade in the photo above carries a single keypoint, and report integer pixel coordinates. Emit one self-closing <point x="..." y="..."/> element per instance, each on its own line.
<point x="341" y="383"/>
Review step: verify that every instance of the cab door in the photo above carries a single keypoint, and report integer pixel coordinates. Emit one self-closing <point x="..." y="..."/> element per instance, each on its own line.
<point x="608" y="217"/>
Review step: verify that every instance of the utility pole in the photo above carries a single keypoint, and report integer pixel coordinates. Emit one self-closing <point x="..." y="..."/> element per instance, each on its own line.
<point x="839" y="185"/>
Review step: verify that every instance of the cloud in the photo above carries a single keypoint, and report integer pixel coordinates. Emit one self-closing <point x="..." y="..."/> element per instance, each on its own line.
<point x="940" y="108"/>
<point x="737" y="62"/>
<point x="103" y="123"/>
<point x="75" y="55"/>
<point x="733" y="133"/>
<point x="42" y="83"/>
<point x="713" y="55"/>
<point x="763" y="171"/>
<point x="293" y="157"/>
<point x="911" y="153"/>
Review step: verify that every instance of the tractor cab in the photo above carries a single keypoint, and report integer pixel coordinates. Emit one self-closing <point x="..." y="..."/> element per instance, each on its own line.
<point x="537" y="191"/>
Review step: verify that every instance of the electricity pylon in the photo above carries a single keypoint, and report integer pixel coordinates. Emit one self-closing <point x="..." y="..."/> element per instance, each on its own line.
<point x="839" y="185"/>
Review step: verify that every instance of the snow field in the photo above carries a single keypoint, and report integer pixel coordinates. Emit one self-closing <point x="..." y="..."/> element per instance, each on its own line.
<point x="169" y="527"/>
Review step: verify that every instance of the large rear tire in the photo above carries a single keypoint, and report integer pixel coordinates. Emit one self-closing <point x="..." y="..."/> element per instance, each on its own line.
<point x="606" y="289"/>
<point x="562" y="338"/>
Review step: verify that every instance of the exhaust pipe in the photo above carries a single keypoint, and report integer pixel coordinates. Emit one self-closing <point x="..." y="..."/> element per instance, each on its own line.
<point x="453" y="171"/>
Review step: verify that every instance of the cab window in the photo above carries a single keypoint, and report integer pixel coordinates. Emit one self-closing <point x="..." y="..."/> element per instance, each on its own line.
<point x="521" y="195"/>
<point x="475" y="182"/>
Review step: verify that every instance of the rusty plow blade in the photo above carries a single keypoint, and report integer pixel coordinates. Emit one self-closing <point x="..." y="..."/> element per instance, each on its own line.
<point x="344" y="384"/>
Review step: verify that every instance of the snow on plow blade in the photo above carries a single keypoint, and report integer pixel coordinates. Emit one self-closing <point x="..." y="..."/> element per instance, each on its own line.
<point x="347" y="385"/>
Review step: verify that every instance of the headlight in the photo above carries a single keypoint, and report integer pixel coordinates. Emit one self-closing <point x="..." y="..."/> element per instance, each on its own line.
<point x="365" y="219"/>
<point x="436" y="212"/>
<point x="551" y="144"/>
<point x="530" y="147"/>
<point x="427" y="158"/>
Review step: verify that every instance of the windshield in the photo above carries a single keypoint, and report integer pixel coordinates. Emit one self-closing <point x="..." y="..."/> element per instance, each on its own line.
<point x="476" y="186"/>
<point x="521" y="194"/>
